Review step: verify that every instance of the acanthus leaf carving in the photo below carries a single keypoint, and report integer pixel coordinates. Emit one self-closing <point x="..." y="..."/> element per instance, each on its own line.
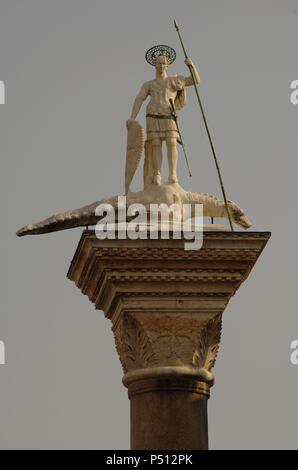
<point x="208" y="343"/>
<point x="150" y="339"/>
<point x="133" y="345"/>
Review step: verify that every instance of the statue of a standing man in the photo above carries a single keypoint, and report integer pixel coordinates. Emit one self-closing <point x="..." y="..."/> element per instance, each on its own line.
<point x="161" y="125"/>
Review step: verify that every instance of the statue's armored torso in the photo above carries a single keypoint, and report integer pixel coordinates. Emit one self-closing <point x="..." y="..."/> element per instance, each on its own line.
<point x="158" y="112"/>
<point x="161" y="92"/>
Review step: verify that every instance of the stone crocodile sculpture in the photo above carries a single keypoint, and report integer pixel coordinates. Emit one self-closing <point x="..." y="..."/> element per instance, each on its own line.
<point x="166" y="193"/>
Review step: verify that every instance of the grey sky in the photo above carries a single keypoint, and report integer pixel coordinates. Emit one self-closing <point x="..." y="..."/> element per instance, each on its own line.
<point x="71" y="71"/>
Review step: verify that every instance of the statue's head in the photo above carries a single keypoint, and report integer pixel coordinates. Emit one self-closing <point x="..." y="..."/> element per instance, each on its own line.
<point x="161" y="63"/>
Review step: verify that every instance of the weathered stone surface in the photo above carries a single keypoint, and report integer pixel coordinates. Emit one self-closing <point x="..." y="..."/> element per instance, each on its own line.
<point x="166" y="307"/>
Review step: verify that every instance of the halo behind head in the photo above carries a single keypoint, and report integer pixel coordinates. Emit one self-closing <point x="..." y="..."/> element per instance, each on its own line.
<point x="160" y="50"/>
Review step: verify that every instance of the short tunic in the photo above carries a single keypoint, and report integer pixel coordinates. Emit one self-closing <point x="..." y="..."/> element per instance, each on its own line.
<point x="161" y="91"/>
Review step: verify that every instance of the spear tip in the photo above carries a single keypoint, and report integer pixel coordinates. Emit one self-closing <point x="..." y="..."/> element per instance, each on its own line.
<point x="176" y="25"/>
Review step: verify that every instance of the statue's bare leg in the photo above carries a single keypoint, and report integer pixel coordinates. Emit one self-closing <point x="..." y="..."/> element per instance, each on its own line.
<point x="172" y="159"/>
<point x="157" y="160"/>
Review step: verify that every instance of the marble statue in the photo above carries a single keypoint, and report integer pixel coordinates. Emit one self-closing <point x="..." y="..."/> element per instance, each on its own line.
<point x="160" y="122"/>
<point x="160" y="128"/>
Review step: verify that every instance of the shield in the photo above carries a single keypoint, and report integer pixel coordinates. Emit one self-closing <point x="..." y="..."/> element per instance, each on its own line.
<point x="134" y="150"/>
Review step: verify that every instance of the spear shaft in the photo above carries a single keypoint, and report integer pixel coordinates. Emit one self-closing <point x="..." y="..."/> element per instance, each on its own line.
<point x="207" y="129"/>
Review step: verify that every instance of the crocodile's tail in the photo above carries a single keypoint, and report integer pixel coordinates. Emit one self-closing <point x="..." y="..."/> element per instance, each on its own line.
<point x="70" y="219"/>
<point x="65" y="220"/>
